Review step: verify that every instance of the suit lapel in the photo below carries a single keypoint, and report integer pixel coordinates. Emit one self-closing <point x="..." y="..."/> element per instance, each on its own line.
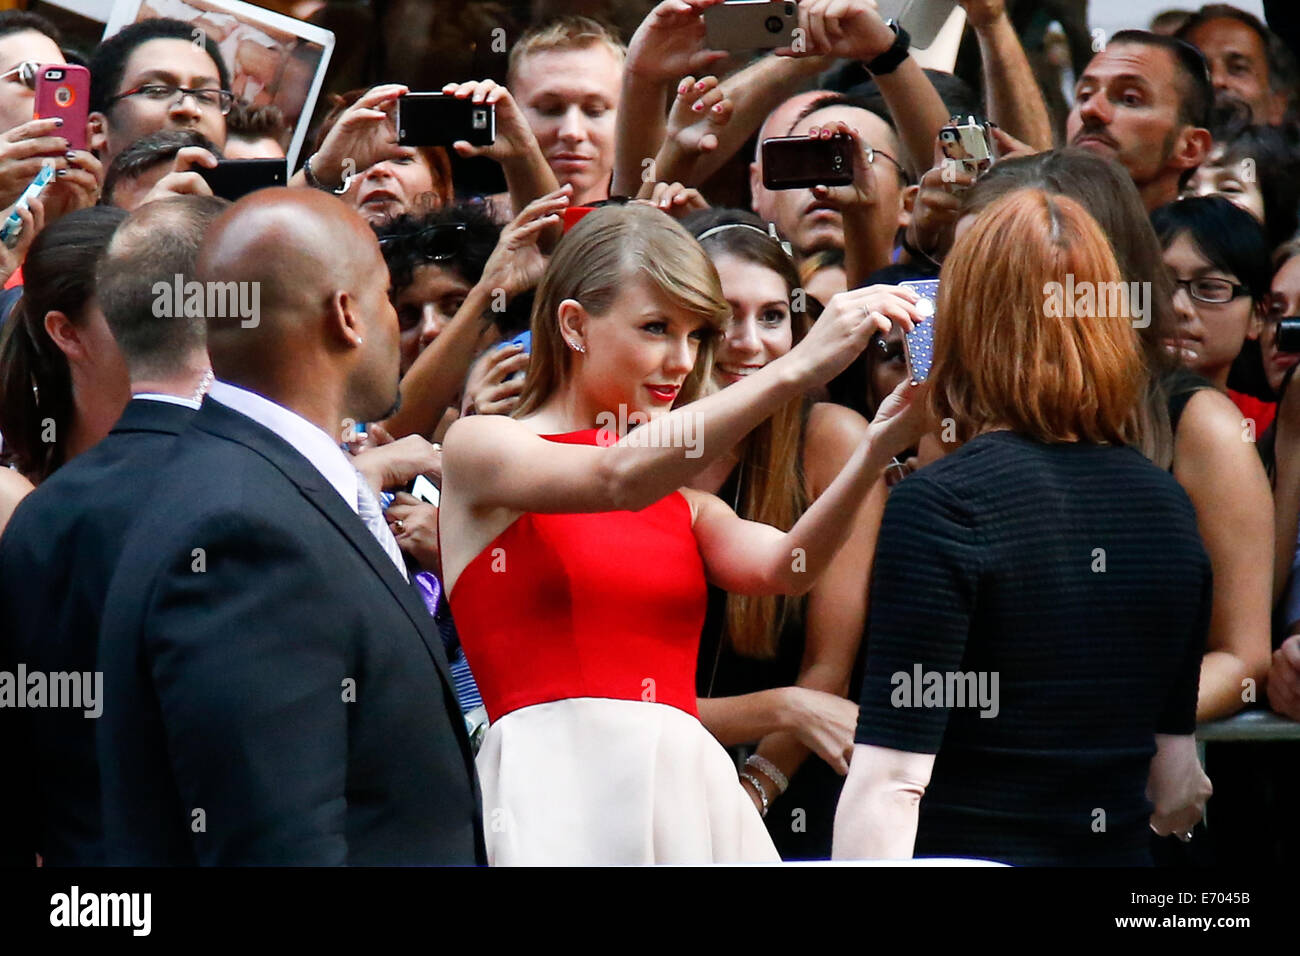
<point x="217" y="419"/>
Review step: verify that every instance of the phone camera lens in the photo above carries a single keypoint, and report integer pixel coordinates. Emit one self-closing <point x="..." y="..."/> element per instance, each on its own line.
<point x="773" y="24"/>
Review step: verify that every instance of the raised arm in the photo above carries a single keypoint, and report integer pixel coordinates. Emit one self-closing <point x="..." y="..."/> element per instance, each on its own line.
<point x="431" y="384"/>
<point x="495" y="462"/>
<point x="528" y="175"/>
<point x="852" y="29"/>
<point x="1011" y="92"/>
<point x="668" y="45"/>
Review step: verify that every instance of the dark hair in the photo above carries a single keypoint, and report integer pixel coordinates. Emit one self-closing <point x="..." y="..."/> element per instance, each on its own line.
<point x="159" y="242"/>
<point x="754" y="243"/>
<point x="1107" y="191"/>
<point x="1277" y="171"/>
<point x="256" y="122"/>
<point x="852" y="388"/>
<point x="407" y="241"/>
<point x="876" y="107"/>
<point x="1196" y="90"/>
<point x="108" y="61"/>
<point x="1281" y="62"/>
<point x="1228" y="236"/>
<point x="35" y="383"/>
<point x="147" y="152"/>
<point x="20" y="21"/>
<point x="959" y="97"/>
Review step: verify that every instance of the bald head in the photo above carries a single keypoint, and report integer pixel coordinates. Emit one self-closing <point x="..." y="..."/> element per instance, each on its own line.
<point x="321" y="284"/>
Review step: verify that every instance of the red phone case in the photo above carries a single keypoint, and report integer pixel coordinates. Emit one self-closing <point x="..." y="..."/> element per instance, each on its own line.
<point x="63" y="90"/>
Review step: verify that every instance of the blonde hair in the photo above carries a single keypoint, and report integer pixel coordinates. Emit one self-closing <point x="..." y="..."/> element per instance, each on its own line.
<point x="1002" y="358"/>
<point x="569" y="32"/>
<point x="608" y="248"/>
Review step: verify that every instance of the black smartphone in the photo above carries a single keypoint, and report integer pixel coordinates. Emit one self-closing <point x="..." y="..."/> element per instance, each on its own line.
<point x="801" y="162"/>
<point x="750" y="25"/>
<point x="235" y="178"/>
<point x="434" y="119"/>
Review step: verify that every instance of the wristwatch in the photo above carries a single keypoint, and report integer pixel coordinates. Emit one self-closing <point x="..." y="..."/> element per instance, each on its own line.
<point x="888" y="61"/>
<point x="315" y="183"/>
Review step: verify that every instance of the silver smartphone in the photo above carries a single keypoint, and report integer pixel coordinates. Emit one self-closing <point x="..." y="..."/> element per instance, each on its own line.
<point x="922" y="19"/>
<point x="750" y="25"/>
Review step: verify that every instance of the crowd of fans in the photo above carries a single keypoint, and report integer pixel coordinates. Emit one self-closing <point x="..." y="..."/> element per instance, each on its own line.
<point x="704" y="572"/>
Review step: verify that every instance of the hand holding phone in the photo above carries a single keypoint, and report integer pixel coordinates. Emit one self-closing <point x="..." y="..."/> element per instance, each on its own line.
<point x="13" y="225"/>
<point x="63" y="90"/>
<point x="801" y="162"/>
<point x="742" y="25"/>
<point x="918" y="344"/>
<point x="436" y="119"/>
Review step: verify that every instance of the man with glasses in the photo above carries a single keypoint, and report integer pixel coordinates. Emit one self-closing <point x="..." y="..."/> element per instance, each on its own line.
<point x="153" y="76"/>
<point x="871" y="210"/>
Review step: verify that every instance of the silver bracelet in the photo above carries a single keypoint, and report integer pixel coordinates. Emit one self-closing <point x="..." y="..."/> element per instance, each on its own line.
<point x="762" y="791"/>
<point x="769" y="770"/>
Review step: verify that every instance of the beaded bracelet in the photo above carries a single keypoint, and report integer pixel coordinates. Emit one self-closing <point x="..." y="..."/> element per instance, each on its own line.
<point x="762" y="791"/>
<point x="769" y="770"/>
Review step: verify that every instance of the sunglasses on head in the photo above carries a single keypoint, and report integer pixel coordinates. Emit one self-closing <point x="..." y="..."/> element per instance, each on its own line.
<point x="24" y="73"/>
<point x="437" y="242"/>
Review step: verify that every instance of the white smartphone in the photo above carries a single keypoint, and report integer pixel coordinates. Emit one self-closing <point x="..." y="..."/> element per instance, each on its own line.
<point x="426" y="490"/>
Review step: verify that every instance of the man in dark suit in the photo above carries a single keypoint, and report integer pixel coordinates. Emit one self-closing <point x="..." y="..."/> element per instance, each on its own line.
<point x="275" y="692"/>
<point x="59" y="550"/>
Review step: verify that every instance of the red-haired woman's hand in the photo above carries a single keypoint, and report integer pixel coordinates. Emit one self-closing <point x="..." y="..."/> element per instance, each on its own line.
<point x="364" y="134"/>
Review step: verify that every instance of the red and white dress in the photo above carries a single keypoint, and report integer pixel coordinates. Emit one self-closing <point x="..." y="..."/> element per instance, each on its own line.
<point x="582" y="632"/>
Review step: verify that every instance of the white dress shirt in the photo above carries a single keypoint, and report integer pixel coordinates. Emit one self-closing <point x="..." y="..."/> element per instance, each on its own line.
<point x="169" y="399"/>
<point x="307" y="439"/>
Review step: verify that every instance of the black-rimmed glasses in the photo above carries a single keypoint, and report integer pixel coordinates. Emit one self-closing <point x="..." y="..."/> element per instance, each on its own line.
<point x="221" y="100"/>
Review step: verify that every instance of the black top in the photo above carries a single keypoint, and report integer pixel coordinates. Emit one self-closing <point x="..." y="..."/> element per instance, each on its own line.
<point x="1075" y="575"/>
<point x="56" y="557"/>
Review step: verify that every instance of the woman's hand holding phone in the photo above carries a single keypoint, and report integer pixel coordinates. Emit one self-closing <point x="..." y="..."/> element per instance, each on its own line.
<point x="845" y="328"/>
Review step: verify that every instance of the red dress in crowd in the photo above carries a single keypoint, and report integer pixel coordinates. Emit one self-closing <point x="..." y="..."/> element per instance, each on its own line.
<point x="582" y="632"/>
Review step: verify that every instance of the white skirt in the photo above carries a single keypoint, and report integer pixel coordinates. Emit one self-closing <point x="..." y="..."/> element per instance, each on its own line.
<point x="592" y="781"/>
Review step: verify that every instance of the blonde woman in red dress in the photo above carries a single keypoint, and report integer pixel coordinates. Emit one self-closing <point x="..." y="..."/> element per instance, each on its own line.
<point x="576" y="561"/>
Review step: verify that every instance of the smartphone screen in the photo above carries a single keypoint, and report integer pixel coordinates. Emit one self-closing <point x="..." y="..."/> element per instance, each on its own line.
<point x="432" y="119"/>
<point x="918" y="344"/>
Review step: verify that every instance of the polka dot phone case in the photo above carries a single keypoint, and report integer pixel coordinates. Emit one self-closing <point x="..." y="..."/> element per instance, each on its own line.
<point x="918" y="345"/>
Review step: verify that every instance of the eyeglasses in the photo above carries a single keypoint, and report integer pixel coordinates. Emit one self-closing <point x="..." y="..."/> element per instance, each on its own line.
<point x="439" y="242"/>
<point x="24" y="73"/>
<point x="1211" y="291"/>
<point x="221" y="100"/>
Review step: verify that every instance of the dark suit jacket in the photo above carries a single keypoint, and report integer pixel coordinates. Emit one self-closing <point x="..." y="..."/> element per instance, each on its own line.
<point x="56" y="557"/>
<point x="275" y="693"/>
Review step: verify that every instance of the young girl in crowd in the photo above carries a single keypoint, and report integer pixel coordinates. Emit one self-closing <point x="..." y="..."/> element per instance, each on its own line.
<point x="775" y="672"/>
<point x="63" y="383"/>
<point x="577" y="565"/>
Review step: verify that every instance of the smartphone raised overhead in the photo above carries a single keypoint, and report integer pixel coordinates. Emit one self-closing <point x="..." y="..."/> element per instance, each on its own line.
<point x="235" y="178"/>
<point x="801" y="162"/>
<point x="969" y="143"/>
<point x="922" y="19"/>
<point x="435" y="119"/>
<point x="918" y="344"/>
<point x="63" y="90"/>
<point x="750" y="25"/>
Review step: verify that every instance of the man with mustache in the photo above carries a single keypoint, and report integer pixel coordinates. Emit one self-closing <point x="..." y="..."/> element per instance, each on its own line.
<point x="1144" y="101"/>
<point x="1249" y="65"/>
